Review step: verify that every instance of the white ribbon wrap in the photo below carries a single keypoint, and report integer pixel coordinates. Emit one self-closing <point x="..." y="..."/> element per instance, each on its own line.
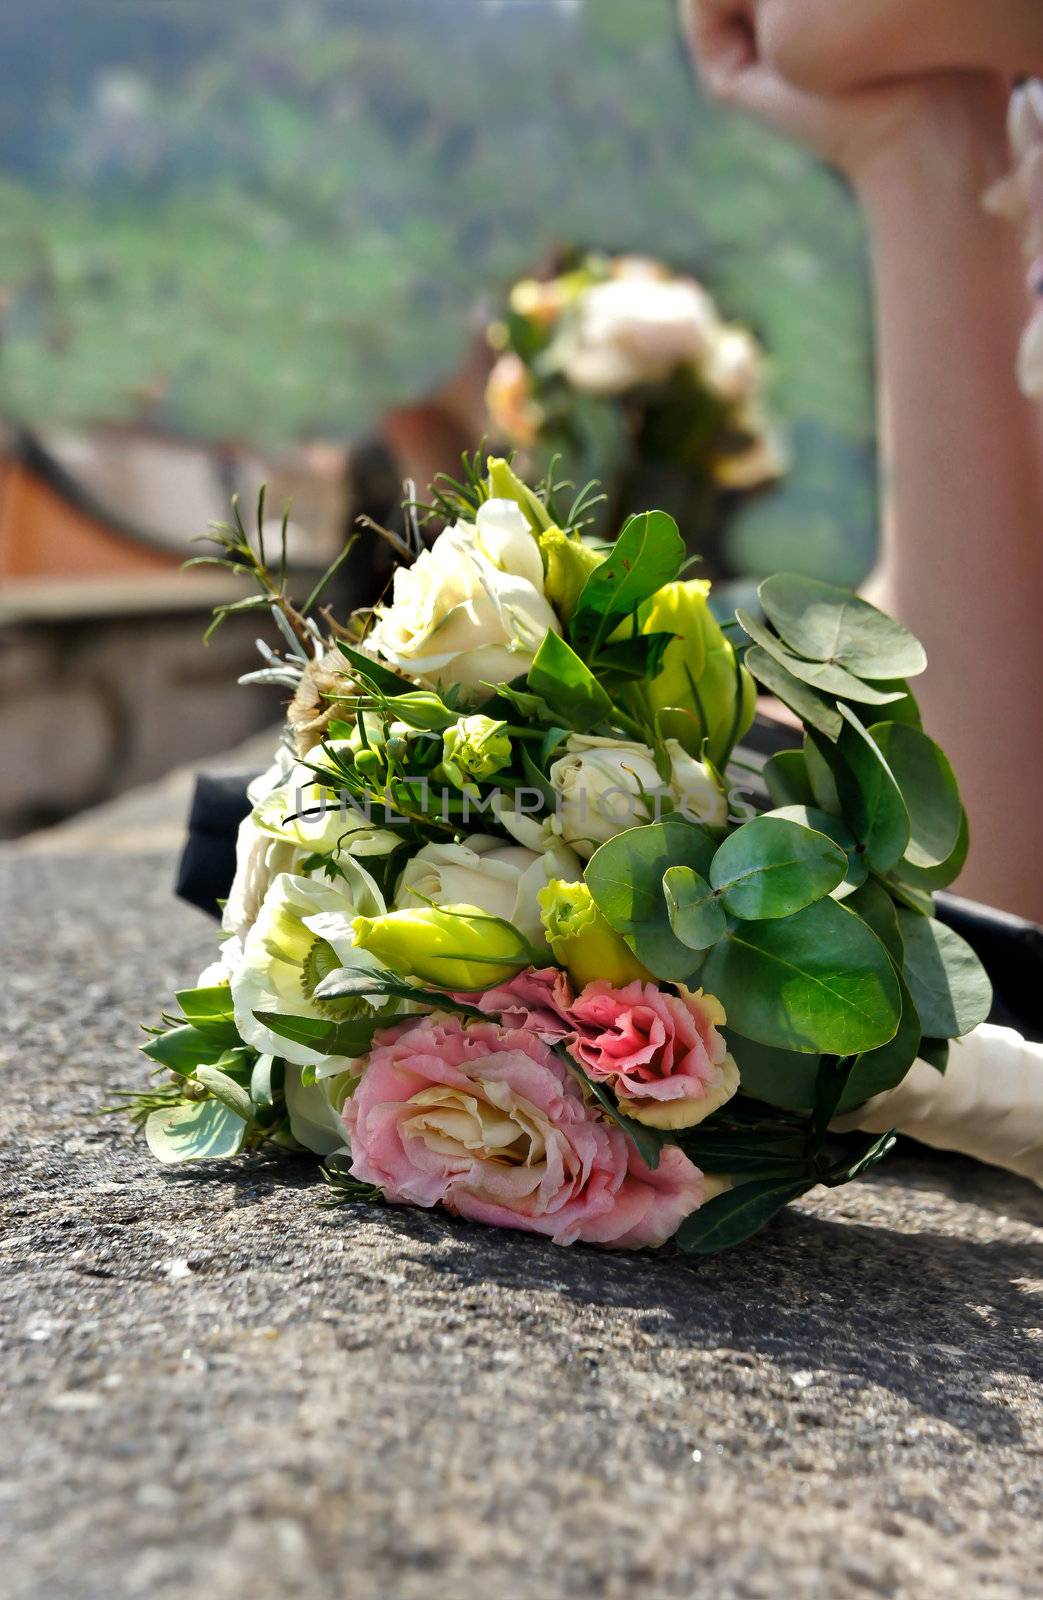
<point x="988" y="1103"/>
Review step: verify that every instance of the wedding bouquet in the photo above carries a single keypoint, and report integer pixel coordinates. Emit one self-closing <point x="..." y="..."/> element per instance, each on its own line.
<point x="506" y="935"/>
<point x="628" y="372"/>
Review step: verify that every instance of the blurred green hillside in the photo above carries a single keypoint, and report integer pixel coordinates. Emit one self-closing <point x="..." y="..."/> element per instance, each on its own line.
<point x="271" y="219"/>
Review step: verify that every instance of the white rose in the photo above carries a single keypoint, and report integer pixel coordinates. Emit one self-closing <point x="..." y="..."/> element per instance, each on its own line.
<point x="605" y="786"/>
<point x="472" y="609"/>
<point x="633" y="330"/>
<point x="501" y="879"/>
<point x="303" y="931"/>
<point x="698" y="795"/>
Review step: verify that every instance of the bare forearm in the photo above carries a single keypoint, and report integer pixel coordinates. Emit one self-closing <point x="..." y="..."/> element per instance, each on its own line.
<point x="962" y="559"/>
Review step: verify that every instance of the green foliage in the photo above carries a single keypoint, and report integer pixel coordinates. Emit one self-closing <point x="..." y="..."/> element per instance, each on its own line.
<point x="647" y="554"/>
<point x="773" y="867"/>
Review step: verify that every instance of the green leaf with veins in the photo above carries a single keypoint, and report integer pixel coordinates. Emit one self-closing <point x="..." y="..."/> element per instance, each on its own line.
<point x="772" y="867"/>
<point x="809" y="706"/>
<point x="824" y="676"/>
<point x="825" y="623"/>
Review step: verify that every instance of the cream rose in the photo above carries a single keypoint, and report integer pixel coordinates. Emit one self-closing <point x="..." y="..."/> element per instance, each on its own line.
<point x="604" y="786"/>
<point x="472" y="609"/>
<point x="696" y="792"/>
<point x="501" y="879"/>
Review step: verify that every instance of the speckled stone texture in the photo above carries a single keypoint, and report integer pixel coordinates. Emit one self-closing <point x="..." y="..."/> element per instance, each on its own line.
<point x="214" y="1387"/>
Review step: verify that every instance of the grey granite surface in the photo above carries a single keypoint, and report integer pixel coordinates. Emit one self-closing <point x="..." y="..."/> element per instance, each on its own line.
<point x="214" y="1387"/>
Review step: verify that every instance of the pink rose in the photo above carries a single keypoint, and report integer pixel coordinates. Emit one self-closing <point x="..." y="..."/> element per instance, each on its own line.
<point x="539" y="999"/>
<point x="489" y="1123"/>
<point x="660" y="1053"/>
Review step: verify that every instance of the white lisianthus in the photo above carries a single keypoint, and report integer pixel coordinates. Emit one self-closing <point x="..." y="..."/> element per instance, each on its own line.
<point x="605" y="786"/>
<point x="302" y="932"/>
<point x="633" y="330"/>
<point x="305" y="815"/>
<point x="224" y="968"/>
<point x="258" y="859"/>
<point x="472" y="609"/>
<point x="500" y="879"/>
<point x="314" y="1109"/>
<point x="697" y="793"/>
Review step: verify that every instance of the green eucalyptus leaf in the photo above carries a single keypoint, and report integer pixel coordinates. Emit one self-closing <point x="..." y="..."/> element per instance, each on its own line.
<point x="824" y="676"/>
<point x="904" y="710"/>
<point x="825" y="623"/>
<point x="648" y="554"/>
<point x="782" y="1078"/>
<point x="568" y="686"/>
<point x="694" y="908"/>
<point x="928" y="787"/>
<point x="874" y="905"/>
<point x="948" y="983"/>
<point x="870" y="797"/>
<point x="818" y="754"/>
<point x="841" y="835"/>
<point x="876" y="1071"/>
<point x="787" y="779"/>
<point x="817" y="982"/>
<point x="205" y="1130"/>
<point x="809" y="706"/>
<point x="929" y="879"/>
<point x="734" y="1217"/>
<point x="772" y="867"/>
<point x="625" y="877"/>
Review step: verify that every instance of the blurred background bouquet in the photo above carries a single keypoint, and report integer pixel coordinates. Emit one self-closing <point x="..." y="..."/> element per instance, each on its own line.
<point x="627" y="373"/>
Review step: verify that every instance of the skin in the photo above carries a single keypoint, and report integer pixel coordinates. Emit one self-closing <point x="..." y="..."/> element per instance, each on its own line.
<point x="917" y="124"/>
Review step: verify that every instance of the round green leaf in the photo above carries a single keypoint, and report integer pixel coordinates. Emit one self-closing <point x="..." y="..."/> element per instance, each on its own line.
<point x="928" y="787"/>
<point x="787" y="780"/>
<point x="204" y="1131"/>
<point x="829" y="624"/>
<point x="625" y="877"/>
<point x="833" y="828"/>
<point x="695" y="911"/>
<point x="771" y="867"/>
<point x="819" y="982"/>
<point x="948" y="983"/>
<point x="931" y="878"/>
<point x="875" y="1071"/>
<point x="870" y="797"/>
<point x="800" y="697"/>
<point x="874" y="905"/>
<point x="817" y="756"/>
<point x="782" y="1078"/>
<point x="821" y="675"/>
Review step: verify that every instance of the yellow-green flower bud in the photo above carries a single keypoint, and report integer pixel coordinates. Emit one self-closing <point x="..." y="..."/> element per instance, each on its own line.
<point x="475" y="747"/>
<point x="454" y="947"/>
<point x="423" y="709"/>
<point x="568" y="563"/>
<point x="698" y="689"/>
<point x="582" y="940"/>
<point x="504" y="484"/>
